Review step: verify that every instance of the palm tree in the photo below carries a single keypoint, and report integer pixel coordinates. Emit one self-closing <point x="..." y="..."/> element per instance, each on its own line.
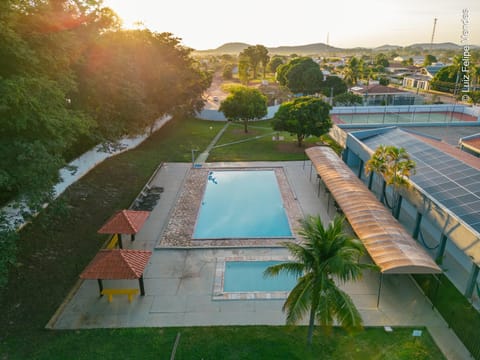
<point x="395" y="165"/>
<point x="325" y="254"/>
<point x="351" y="72"/>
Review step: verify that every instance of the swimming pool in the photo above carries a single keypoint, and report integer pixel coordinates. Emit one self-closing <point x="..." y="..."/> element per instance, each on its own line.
<point x="247" y="276"/>
<point x="241" y="278"/>
<point x="242" y="204"/>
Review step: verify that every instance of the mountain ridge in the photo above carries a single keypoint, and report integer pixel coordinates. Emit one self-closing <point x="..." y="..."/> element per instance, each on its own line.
<point x="318" y="48"/>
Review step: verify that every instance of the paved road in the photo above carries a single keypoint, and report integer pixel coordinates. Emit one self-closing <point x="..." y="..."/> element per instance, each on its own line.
<point x="215" y="92"/>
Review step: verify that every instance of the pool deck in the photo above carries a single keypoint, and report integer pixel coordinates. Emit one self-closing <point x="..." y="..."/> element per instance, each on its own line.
<point x="179" y="280"/>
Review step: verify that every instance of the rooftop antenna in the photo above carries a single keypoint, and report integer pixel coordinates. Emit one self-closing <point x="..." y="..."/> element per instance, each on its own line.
<point x="433" y="33"/>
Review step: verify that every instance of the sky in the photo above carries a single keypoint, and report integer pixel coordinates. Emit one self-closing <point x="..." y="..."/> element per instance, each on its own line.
<point x="207" y="24"/>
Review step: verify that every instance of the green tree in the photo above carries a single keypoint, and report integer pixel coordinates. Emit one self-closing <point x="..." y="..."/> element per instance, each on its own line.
<point x="301" y="75"/>
<point x="347" y="99"/>
<point x="227" y="73"/>
<point x="382" y="60"/>
<point x="383" y="81"/>
<point x="243" y="69"/>
<point x="244" y="104"/>
<point x="274" y="63"/>
<point x="325" y="255"/>
<point x="351" y="72"/>
<point x="41" y="43"/>
<point x="334" y="85"/>
<point x="130" y="78"/>
<point x="303" y="116"/>
<point x="256" y="55"/>
<point x="264" y="58"/>
<point x="446" y="79"/>
<point x="395" y="166"/>
<point x="429" y="60"/>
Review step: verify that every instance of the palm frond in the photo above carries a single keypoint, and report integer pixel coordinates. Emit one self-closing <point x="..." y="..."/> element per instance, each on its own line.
<point x="299" y="300"/>
<point x="291" y="268"/>
<point x="345" y="311"/>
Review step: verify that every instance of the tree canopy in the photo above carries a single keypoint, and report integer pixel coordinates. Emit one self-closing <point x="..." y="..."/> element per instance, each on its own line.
<point x="301" y="75"/>
<point x="70" y="78"/>
<point x="351" y="72"/>
<point x="334" y="85"/>
<point x="275" y="62"/>
<point x="255" y="56"/>
<point x="347" y="99"/>
<point x="303" y="116"/>
<point x="244" y="104"/>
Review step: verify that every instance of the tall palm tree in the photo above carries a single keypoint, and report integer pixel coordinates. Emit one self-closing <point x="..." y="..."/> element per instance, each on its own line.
<point x="324" y="255"/>
<point x="395" y="165"/>
<point x="351" y="72"/>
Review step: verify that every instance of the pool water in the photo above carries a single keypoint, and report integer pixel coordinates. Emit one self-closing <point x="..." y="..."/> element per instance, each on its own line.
<point x="242" y="204"/>
<point x="247" y="276"/>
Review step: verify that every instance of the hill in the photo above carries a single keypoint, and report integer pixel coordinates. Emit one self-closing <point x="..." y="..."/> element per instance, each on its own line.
<point x="235" y="48"/>
<point x="438" y="46"/>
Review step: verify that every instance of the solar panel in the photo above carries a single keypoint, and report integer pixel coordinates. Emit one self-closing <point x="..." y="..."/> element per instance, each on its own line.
<point x="453" y="183"/>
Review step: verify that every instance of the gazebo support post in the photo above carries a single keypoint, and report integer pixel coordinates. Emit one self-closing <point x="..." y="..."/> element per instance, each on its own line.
<point x="100" y="286"/>
<point x="379" y="289"/>
<point x="140" y="283"/>
<point x="120" y="245"/>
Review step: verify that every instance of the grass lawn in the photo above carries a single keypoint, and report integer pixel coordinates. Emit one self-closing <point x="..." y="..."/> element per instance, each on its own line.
<point x="258" y="145"/>
<point x="239" y="342"/>
<point x="61" y="241"/>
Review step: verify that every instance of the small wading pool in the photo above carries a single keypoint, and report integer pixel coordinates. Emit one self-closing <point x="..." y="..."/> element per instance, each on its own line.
<point x="243" y="279"/>
<point x="242" y="204"/>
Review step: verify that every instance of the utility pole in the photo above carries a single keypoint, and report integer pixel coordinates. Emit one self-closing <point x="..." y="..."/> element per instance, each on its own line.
<point x="433" y="33"/>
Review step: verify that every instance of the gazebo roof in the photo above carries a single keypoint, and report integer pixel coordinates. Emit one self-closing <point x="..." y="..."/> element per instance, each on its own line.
<point x="117" y="264"/>
<point x="125" y="222"/>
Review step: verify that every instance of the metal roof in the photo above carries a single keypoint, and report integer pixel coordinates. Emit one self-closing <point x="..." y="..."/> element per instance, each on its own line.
<point x="117" y="264"/>
<point x="449" y="180"/>
<point x="125" y="222"/>
<point x="390" y="246"/>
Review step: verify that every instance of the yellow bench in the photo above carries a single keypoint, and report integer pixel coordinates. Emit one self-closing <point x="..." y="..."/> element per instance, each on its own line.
<point x="111" y="292"/>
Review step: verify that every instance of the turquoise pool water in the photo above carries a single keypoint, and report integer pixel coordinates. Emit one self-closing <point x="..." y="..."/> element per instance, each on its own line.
<point x="242" y="204"/>
<point x="247" y="276"/>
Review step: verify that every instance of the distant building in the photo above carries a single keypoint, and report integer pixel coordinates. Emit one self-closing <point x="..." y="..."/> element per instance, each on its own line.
<point x="417" y="81"/>
<point x="421" y="80"/>
<point x="385" y="95"/>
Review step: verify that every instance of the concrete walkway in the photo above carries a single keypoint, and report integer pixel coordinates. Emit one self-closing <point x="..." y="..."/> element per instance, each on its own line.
<point x="202" y="157"/>
<point x="179" y="283"/>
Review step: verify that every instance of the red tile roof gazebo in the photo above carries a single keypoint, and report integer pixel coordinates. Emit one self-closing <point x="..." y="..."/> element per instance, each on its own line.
<point x="117" y="264"/>
<point x="125" y="222"/>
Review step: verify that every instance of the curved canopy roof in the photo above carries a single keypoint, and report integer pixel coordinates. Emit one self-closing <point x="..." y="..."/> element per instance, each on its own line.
<point x="390" y="246"/>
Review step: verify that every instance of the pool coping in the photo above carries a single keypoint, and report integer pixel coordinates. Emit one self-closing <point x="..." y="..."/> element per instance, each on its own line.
<point x="178" y="233"/>
<point x="219" y="294"/>
<point x="197" y="234"/>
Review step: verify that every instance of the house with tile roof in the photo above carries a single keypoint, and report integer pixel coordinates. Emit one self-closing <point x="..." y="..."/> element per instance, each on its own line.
<point x="377" y="94"/>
